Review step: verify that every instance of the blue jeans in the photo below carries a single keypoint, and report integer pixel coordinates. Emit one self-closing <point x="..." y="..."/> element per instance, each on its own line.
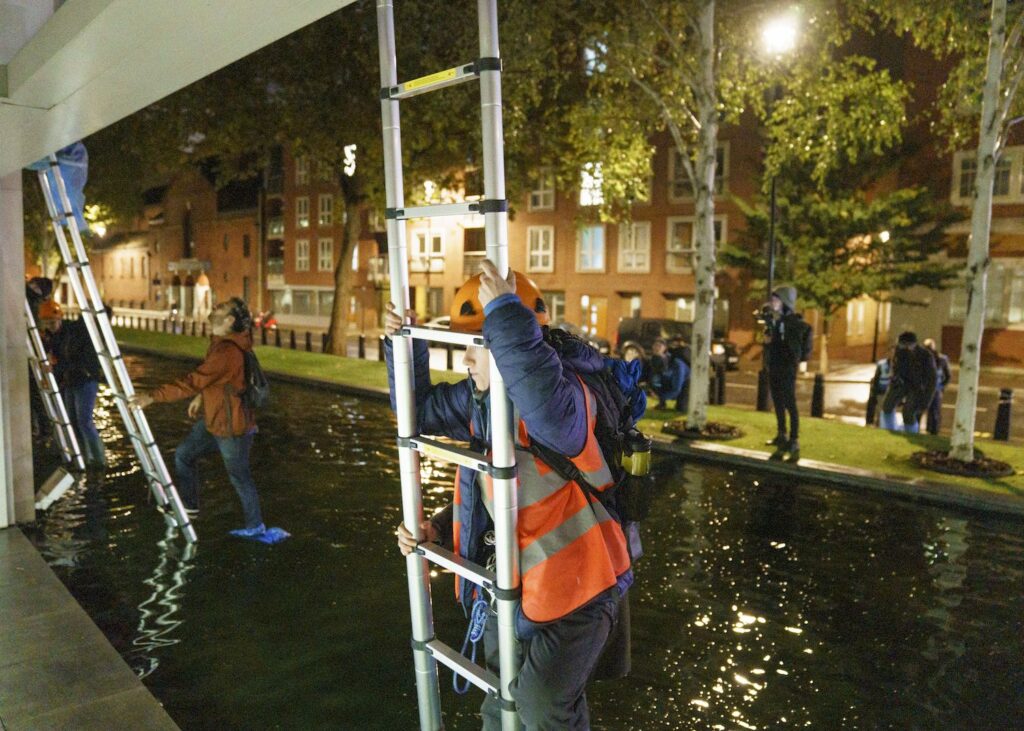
<point x="234" y="451"/>
<point x="80" y="401"/>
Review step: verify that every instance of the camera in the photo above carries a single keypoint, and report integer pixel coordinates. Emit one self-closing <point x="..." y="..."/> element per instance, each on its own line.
<point x="764" y="317"/>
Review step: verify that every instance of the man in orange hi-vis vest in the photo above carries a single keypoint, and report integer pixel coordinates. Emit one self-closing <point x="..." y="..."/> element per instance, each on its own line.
<point x="574" y="561"/>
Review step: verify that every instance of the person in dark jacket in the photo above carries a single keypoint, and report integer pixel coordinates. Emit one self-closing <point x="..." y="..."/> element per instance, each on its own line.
<point x="77" y="370"/>
<point x="789" y="343"/>
<point x="942" y="376"/>
<point x="226" y="425"/>
<point x="912" y="386"/>
<point x="571" y="589"/>
<point x="668" y="374"/>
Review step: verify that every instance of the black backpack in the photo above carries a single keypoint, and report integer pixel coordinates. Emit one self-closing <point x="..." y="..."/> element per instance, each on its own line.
<point x="257" y="388"/>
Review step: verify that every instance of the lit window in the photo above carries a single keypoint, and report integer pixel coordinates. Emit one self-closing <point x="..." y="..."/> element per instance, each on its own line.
<point x="556" y="305"/>
<point x="681" y="245"/>
<point x="302" y="170"/>
<point x="427" y="252"/>
<point x="355" y="257"/>
<point x="590" y="185"/>
<point x="302" y="212"/>
<point x="590" y="249"/>
<point x="325" y="255"/>
<point x="679" y="187"/>
<point x="302" y="255"/>
<point x="635" y="247"/>
<point x="325" y="209"/>
<point x="540" y="249"/>
<point x="542" y="197"/>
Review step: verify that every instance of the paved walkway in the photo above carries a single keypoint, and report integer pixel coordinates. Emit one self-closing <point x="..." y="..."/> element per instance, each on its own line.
<point x="57" y="670"/>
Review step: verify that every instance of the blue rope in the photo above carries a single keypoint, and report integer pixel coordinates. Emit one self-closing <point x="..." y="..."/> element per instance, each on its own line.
<point x="475" y="631"/>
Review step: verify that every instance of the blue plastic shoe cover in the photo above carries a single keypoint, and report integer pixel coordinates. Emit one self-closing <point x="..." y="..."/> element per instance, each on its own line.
<point x="270" y="536"/>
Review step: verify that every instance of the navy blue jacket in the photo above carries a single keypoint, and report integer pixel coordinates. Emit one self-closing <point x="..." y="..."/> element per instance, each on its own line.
<point x="542" y="386"/>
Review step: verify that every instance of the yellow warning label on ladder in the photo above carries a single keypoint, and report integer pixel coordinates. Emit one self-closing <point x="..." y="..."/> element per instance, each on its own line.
<point x="445" y="75"/>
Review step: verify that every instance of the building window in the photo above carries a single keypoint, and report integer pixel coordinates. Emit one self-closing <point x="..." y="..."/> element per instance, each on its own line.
<point x="325" y="208"/>
<point x="556" y="306"/>
<point x="542" y="197"/>
<point x="355" y="257"/>
<point x="302" y="170"/>
<point x="1007" y="185"/>
<point x="591" y="180"/>
<point x="325" y="301"/>
<point x="855" y="317"/>
<point x="590" y="249"/>
<point x="427" y="252"/>
<point x="540" y="249"/>
<point x="302" y="211"/>
<point x="679" y="187"/>
<point x="246" y="245"/>
<point x="680" y="309"/>
<point x="224" y="243"/>
<point x="302" y="255"/>
<point x="323" y="172"/>
<point x="994" y="297"/>
<point x="681" y="242"/>
<point x="325" y="255"/>
<point x="303" y="302"/>
<point x="635" y="247"/>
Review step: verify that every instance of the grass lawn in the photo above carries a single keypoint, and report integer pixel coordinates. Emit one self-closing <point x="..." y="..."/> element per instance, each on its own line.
<point x="827" y="440"/>
<point x="350" y="371"/>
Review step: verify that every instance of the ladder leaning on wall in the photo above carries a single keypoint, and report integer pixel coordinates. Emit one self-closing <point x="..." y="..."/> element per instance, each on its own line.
<point x="94" y="314"/>
<point x="504" y="582"/>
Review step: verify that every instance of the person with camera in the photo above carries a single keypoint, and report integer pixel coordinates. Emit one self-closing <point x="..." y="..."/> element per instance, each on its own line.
<point x="225" y="425"/>
<point x="788" y="343"/>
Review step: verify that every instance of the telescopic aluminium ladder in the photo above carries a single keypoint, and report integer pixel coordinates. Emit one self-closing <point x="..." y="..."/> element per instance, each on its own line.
<point x="87" y="295"/>
<point x="500" y="464"/>
<point x="39" y="364"/>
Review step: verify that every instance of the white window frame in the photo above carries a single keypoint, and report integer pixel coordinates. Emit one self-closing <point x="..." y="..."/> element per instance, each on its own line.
<point x="302" y="211"/>
<point x="302" y="170"/>
<point x="542" y="197"/>
<point x="679" y="176"/>
<point x="325" y="209"/>
<point x="634" y="247"/>
<point x="692" y="249"/>
<point x="302" y="255"/>
<point x="540" y="249"/>
<point x="426" y="251"/>
<point x="591" y="182"/>
<point x="580" y="235"/>
<point x="1013" y="157"/>
<point x="325" y="254"/>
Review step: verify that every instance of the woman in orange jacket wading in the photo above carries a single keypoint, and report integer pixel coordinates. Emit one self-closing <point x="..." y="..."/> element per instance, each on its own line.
<point x="226" y="425"/>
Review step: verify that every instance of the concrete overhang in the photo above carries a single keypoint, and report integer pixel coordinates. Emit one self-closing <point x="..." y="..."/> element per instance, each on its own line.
<point x="96" y="61"/>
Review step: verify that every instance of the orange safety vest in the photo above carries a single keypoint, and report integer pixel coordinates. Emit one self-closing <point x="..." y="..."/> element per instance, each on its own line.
<point x="570" y="548"/>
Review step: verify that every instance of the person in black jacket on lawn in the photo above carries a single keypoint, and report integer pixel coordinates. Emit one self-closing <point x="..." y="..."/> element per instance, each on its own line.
<point x="789" y="342"/>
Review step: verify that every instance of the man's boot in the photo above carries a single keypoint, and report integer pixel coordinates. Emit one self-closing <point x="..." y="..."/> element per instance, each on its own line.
<point x="793" y="451"/>
<point x="779" y="441"/>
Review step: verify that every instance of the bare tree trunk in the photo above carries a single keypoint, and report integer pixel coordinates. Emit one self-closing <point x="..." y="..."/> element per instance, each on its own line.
<point x="337" y="331"/>
<point x="704" y="179"/>
<point x="962" y="440"/>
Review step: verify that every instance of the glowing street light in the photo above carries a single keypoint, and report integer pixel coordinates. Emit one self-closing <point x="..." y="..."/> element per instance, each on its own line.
<point x="779" y="35"/>
<point x="884" y="236"/>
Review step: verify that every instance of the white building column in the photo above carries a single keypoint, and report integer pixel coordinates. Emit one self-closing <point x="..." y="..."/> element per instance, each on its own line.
<point x="16" y="484"/>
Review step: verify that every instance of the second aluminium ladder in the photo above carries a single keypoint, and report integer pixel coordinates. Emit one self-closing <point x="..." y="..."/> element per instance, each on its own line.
<point x="56" y="410"/>
<point x="504" y="583"/>
<point x="87" y="295"/>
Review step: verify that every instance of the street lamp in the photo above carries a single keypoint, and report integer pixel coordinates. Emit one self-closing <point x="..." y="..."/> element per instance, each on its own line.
<point x="778" y="38"/>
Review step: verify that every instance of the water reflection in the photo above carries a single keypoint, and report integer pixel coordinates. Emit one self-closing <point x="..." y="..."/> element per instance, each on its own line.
<point x="159" y="613"/>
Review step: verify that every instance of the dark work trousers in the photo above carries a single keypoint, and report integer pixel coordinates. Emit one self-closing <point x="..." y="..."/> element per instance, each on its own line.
<point x="234" y="451"/>
<point x="934" y="420"/>
<point x="40" y="416"/>
<point x="550" y="691"/>
<point x="782" y="386"/>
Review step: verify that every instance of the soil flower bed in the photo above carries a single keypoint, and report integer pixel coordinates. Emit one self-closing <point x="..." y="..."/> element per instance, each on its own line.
<point x="981" y="466"/>
<point x="713" y="430"/>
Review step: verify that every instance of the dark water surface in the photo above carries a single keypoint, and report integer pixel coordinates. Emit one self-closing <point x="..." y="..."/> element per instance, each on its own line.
<point x="759" y="605"/>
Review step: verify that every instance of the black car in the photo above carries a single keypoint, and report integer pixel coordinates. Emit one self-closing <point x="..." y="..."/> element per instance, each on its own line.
<point x="643" y="331"/>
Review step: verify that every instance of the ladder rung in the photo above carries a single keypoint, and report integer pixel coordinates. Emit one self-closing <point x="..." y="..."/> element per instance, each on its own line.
<point x="444" y="335"/>
<point x="448" y="453"/>
<point x="431" y="82"/>
<point x="454" y="562"/>
<point x="438" y="211"/>
<point x="482" y="678"/>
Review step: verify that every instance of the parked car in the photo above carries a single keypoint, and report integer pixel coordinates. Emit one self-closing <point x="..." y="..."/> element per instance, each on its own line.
<point x="598" y="343"/>
<point x="643" y="331"/>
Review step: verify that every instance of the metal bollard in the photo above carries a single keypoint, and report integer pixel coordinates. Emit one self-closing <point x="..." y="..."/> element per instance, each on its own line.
<point x="291" y="340"/>
<point x="449" y="356"/>
<point x="167" y="321"/>
<point x="818" y="396"/>
<point x="362" y="347"/>
<point x="324" y="341"/>
<point x="380" y="349"/>
<point x="712" y="387"/>
<point x="872" y="407"/>
<point x="193" y="328"/>
<point x="762" y="390"/>
<point x="204" y="329"/>
<point x="309" y="342"/>
<point x="277" y="338"/>
<point x="1002" y="429"/>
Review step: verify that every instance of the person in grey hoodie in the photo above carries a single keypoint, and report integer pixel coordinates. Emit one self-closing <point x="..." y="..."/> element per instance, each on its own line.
<point x="789" y="343"/>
